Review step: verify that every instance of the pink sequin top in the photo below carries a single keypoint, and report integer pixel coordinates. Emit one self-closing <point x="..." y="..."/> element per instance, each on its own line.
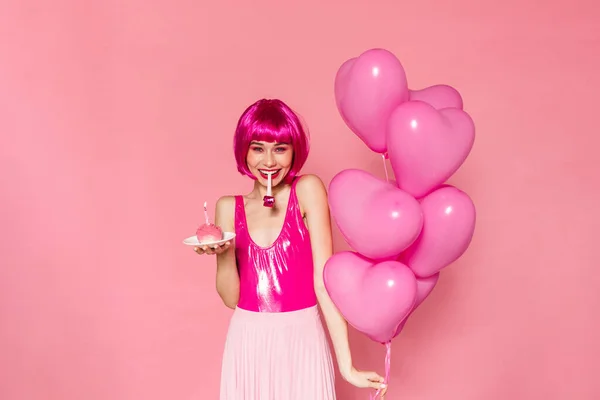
<point x="278" y="278"/>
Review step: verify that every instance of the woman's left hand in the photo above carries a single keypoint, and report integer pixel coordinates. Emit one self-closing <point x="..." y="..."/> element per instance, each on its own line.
<point x="366" y="379"/>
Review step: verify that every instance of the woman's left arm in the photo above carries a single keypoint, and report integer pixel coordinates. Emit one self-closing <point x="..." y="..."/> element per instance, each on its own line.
<point x="312" y="195"/>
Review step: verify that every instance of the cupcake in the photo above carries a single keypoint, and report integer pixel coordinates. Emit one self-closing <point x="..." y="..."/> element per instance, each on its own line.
<point x="208" y="232"/>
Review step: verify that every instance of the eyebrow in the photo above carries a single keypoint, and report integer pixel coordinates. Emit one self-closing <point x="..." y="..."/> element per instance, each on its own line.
<point x="276" y="144"/>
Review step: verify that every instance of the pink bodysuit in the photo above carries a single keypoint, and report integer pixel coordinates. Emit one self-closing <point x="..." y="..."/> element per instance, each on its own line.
<point x="277" y="278"/>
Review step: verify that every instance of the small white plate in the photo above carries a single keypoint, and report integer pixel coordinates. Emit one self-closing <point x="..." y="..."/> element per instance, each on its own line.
<point x="193" y="240"/>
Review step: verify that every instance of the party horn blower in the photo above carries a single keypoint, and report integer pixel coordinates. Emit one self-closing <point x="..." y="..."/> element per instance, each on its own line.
<point x="269" y="200"/>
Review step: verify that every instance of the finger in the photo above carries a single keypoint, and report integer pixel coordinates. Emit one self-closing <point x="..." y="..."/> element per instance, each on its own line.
<point x="377" y="385"/>
<point x="198" y="250"/>
<point x="220" y="250"/>
<point x="223" y="247"/>
<point x="374" y="376"/>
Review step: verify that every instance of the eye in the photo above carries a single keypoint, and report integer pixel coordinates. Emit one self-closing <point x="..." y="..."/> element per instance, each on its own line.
<point x="281" y="149"/>
<point x="257" y="149"/>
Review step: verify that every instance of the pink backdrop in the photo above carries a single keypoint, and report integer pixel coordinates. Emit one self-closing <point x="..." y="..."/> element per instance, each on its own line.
<point x="116" y="121"/>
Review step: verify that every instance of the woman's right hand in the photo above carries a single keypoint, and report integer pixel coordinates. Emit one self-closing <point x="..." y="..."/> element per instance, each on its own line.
<point x="222" y="248"/>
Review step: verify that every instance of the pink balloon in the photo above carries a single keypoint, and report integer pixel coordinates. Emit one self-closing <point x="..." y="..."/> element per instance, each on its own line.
<point x="341" y="83"/>
<point x="438" y="96"/>
<point x="367" y="89"/>
<point x="373" y="298"/>
<point x="448" y="227"/>
<point x="424" y="288"/>
<point x="376" y="218"/>
<point x="427" y="146"/>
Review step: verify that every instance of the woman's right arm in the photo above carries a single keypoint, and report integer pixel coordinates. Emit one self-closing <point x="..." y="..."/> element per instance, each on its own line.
<point x="228" y="279"/>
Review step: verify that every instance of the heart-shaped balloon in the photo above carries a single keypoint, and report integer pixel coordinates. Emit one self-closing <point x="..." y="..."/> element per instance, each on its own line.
<point x="438" y="96"/>
<point x="448" y="226"/>
<point x="367" y="89"/>
<point x="427" y="146"/>
<point x="373" y="298"/>
<point x="375" y="217"/>
<point x="341" y="83"/>
<point x="424" y="288"/>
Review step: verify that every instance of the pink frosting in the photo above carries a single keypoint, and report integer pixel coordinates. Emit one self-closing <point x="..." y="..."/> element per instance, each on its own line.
<point x="209" y="233"/>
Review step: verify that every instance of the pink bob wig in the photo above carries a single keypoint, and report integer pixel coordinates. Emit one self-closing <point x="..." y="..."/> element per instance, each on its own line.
<point x="270" y="121"/>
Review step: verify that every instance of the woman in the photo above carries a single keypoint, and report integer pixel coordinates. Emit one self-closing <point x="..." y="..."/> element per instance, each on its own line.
<point x="276" y="347"/>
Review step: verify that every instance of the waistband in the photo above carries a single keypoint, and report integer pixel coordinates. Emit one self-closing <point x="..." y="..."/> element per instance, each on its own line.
<point x="286" y="317"/>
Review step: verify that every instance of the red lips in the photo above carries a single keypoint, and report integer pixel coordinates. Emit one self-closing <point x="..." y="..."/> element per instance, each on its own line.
<point x="273" y="176"/>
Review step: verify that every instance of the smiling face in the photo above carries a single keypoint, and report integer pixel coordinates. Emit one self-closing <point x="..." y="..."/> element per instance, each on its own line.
<point x="270" y="137"/>
<point x="273" y="157"/>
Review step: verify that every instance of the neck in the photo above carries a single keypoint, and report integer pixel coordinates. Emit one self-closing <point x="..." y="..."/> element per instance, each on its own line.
<point x="261" y="190"/>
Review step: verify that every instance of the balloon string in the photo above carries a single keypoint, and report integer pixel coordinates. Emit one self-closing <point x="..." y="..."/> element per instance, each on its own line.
<point x="388" y="358"/>
<point x="383" y="157"/>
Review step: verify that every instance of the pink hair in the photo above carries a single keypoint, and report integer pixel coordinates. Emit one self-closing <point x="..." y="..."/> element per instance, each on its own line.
<point x="270" y="121"/>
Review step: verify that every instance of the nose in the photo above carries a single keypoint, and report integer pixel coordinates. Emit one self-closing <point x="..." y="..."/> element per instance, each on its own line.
<point x="269" y="160"/>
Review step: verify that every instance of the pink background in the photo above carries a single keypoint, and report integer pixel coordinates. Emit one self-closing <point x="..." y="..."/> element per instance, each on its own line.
<point x="116" y="122"/>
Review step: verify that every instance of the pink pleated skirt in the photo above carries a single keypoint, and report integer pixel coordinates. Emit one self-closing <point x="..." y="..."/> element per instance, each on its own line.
<point x="277" y="356"/>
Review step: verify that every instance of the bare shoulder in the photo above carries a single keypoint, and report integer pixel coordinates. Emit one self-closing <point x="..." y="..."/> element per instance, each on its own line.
<point x="225" y="211"/>
<point x="225" y="202"/>
<point x="310" y="183"/>
<point x="311" y="192"/>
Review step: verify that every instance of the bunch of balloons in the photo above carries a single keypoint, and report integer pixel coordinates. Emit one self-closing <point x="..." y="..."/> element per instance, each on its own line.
<point x="404" y="231"/>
